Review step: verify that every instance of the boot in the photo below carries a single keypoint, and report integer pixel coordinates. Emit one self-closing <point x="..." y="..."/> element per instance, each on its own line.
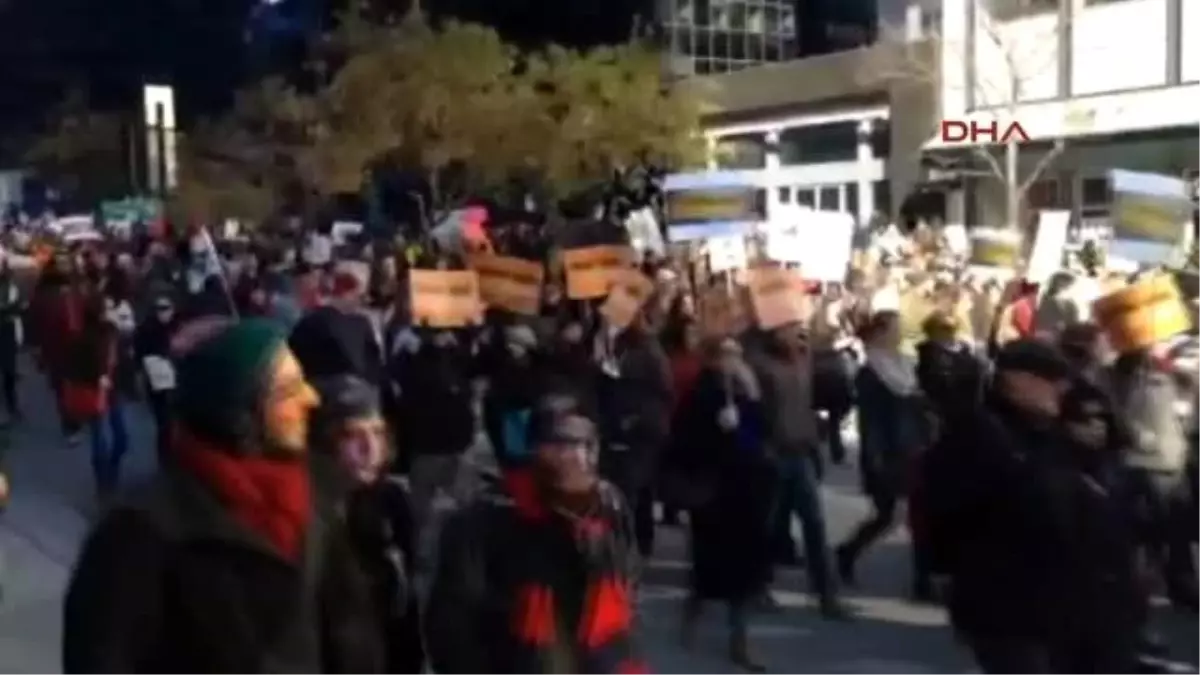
<point x="692" y="608"/>
<point x="845" y="557"/>
<point x="833" y="609"/>
<point x="739" y="644"/>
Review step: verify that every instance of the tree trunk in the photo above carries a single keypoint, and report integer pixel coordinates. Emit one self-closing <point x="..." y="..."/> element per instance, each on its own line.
<point x="1012" y="186"/>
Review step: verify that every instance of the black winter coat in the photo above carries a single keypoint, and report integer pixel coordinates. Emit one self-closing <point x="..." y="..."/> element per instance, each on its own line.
<point x="330" y="341"/>
<point x="1032" y="544"/>
<point x="170" y="583"/>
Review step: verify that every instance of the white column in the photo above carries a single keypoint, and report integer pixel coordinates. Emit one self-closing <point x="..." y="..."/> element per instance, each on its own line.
<point x="771" y="139"/>
<point x="710" y="152"/>
<point x="771" y="168"/>
<point x="866" y="191"/>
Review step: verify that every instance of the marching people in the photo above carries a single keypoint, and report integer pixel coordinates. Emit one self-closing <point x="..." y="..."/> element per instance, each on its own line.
<point x="152" y="350"/>
<point x="718" y="470"/>
<point x="338" y="337"/>
<point x="539" y="575"/>
<point x="225" y="562"/>
<point x="91" y="395"/>
<point x="891" y="433"/>
<point x="783" y="369"/>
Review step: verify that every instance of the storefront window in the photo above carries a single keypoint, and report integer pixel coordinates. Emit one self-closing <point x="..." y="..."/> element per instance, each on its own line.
<point x="833" y="142"/>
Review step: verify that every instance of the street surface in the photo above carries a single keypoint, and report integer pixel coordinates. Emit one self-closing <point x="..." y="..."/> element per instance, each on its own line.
<point x="52" y="500"/>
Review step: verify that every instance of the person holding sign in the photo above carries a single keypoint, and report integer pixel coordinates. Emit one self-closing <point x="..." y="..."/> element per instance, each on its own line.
<point x="152" y="347"/>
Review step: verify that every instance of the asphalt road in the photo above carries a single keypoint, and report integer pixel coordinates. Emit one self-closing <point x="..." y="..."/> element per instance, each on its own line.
<point x="53" y="499"/>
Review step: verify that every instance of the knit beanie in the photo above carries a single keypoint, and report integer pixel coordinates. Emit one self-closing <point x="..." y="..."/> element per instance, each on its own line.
<point x="221" y="380"/>
<point x="343" y="398"/>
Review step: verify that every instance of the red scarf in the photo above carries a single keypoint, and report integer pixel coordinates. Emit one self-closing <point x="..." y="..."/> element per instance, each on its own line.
<point x="270" y="497"/>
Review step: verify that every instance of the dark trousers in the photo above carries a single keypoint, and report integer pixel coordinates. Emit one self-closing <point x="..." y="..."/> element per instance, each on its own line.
<point x="629" y="471"/>
<point x="70" y="426"/>
<point x="882" y="521"/>
<point x="160" y="408"/>
<point x="798" y="493"/>
<point x="1164" y="501"/>
<point x="8" y="380"/>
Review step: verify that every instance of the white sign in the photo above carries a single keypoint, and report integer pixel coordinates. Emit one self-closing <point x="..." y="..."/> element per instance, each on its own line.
<point x="1048" y="246"/>
<point x="159" y="372"/>
<point x="342" y="230"/>
<point x="645" y="234"/>
<point x="726" y="253"/>
<point x="318" y="250"/>
<point x="820" y="241"/>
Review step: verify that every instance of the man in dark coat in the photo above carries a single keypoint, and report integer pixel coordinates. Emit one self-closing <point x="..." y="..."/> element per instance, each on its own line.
<point x="539" y="576"/>
<point x="339" y="338"/>
<point x="225" y="563"/>
<point x="1009" y="517"/>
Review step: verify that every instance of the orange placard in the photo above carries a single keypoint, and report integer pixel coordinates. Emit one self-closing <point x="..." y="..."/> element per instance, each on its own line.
<point x="445" y="298"/>
<point x="629" y="292"/>
<point x="512" y="284"/>
<point x="777" y="296"/>
<point x="591" y="271"/>
<point x="1140" y="315"/>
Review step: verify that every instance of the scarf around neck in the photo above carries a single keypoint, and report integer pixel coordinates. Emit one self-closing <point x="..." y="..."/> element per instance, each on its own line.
<point x="894" y="369"/>
<point x="271" y="498"/>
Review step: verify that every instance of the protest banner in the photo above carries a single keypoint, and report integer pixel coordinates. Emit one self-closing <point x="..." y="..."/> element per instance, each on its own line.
<point x="995" y="247"/>
<point x="777" y="297"/>
<point x="1049" y="244"/>
<point x="591" y="271"/>
<point x="1150" y="213"/>
<point x="507" y="283"/>
<point x="629" y="292"/>
<point x="445" y="298"/>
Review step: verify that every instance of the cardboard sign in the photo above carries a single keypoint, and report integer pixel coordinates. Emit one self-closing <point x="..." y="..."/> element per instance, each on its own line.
<point x="722" y="312"/>
<point x="629" y="293"/>
<point x="1143" y="314"/>
<point x="777" y="296"/>
<point x="511" y="284"/>
<point x="445" y="298"/>
<point x="592" y="270"/>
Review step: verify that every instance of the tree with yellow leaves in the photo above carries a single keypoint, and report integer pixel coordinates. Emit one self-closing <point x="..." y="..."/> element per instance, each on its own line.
<point x="609" y="109"/>
<point x="82" y="151"/>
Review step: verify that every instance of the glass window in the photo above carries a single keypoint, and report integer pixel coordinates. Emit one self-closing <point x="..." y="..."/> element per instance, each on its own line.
<point x="738" y="46"/>
<point x="787" y="49"/>
<point x="833" y="142"/>
<point x="754" y="47"/>
<point x="1003" y="10"/>
<point x="719" y="17"/>
<point x="881" y="139"/>
<point x="882" y="190"/>
<point x="771" y="51"/>
<point x="785" y="195"/>
<point x="1094" y="191"/>
<point x="703" y="66"/>
<point x="742" y="151"/>
<point x="851" y="205"/>
<point x="720" y="65"/>
<point x="685" y="12"/>
<point x="830" y="199"/>
<point x="702" y="43"/>
<point x="805" y="197"/>
<point x="720" y="45"/>
<point x="1044" y="194"/>
<point x="787" y="21"/>
<point x="755" y="21"/>
<point x="737" y="17"/>
<point x="770" y="19"/>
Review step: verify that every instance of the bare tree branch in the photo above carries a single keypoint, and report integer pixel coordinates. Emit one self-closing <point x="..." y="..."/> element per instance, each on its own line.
<point x="1043" y="164"/>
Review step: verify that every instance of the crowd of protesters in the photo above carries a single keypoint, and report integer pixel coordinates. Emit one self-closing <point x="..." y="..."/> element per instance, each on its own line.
<point x="1050" y="486"/>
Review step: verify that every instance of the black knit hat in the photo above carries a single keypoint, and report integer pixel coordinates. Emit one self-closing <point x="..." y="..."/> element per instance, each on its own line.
<point x="343" y="398"/>
<point x="1034" y="357"/>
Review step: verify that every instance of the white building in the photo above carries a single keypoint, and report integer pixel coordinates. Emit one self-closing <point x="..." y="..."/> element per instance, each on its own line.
<point x="830" y="161"/>
<point x="1117" y="80"/>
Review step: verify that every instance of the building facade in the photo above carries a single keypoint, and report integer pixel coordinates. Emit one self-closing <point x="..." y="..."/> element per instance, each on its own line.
<point x="718" y="36"/>
<point x="816" y="132"/>
<point x="1115" y="82"/>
